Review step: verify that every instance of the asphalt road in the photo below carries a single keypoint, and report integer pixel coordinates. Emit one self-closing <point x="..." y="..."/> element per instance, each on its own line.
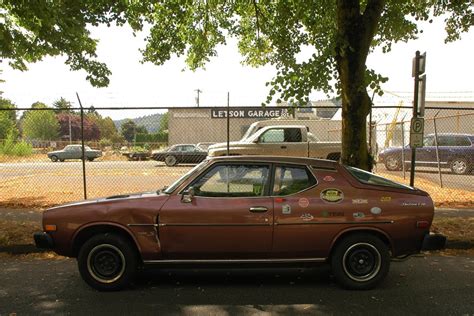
<point x="421" y="285"/>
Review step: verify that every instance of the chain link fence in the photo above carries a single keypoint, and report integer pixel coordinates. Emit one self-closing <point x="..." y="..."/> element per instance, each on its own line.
<point x="145" y="149"/>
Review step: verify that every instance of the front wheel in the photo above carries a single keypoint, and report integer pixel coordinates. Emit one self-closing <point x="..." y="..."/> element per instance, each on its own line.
<point x="54" y="158"/>
<point x="170" y="161"/>
<point x="107" y="262"/>
<point x="90" y="159"/>
<point x="460" y="166"/>
<point x="360" y="261"/>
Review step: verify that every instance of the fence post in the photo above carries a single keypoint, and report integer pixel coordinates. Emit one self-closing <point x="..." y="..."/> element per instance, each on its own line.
<point x="228" y="125"/>
<point x="437" y="150"/>
<point x="83" y="149"/>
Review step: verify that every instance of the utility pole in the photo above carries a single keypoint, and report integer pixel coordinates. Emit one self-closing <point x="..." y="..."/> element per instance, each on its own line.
<point x="198" y="91"/>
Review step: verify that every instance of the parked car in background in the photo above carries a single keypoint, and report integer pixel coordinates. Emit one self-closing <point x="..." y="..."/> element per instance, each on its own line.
<point x="456" y="151"/>
<point x="280" y="140"/>
<point x="248" y="209"/>
<point x="181" y="153"/>
<point x="74" y="152"/>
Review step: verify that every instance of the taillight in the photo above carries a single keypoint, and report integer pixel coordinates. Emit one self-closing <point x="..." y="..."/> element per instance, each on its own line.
<point x="422" y="224"/>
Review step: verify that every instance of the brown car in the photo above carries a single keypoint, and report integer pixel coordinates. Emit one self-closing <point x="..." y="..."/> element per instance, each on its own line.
<point x="248" y="210"/>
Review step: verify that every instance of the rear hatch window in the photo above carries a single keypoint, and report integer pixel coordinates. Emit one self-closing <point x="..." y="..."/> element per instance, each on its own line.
<point x="370" y="178"/>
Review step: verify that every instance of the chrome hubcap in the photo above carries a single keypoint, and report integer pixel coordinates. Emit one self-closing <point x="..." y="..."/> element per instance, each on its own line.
<point x="459" y="166"/>
<point x="106" y="263"/>
<point x="361" y="262"/>
<point x="392" y="162"/>
<point x="170" y="160"/>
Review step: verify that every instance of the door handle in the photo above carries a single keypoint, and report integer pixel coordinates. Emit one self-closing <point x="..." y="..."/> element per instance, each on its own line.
<point x="258" y="209"/>
<point x="283" y="147"/>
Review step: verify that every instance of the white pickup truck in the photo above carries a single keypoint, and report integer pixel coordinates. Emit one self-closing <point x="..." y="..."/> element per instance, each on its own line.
<point x="280" y="140"/>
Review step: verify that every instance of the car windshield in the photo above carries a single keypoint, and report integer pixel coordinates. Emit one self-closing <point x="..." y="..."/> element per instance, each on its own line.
<point x="370" y="178"/>
<point x="184" y="177"/>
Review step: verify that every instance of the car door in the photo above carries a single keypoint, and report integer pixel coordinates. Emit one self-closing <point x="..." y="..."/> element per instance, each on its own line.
<point x="280" y="142"/>
<point x="230" y="215"/>
<point x="296" y="207"/>
<point x="426" y="155"/>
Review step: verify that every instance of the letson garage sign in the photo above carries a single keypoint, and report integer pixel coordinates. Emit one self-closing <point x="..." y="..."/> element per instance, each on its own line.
<point x="249" y="113"/>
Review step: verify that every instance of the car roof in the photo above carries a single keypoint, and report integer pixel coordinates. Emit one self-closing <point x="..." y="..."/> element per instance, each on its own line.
<point x="451" y="134"/>
<point x="321" y="163"/>
<point x="183" y="145"/>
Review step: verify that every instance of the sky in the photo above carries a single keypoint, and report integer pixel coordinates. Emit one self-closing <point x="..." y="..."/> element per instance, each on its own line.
<point x="449" y="71"/>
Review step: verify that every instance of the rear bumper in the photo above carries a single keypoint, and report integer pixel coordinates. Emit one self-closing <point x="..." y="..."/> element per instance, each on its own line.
<point x="43" y="240"/>
<point x="433" y="242"/>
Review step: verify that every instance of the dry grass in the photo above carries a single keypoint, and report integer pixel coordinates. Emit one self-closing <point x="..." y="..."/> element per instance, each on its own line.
<point x="442" y="197"/>
<point x="455" y="228"/>
<point x="17" y="233"/>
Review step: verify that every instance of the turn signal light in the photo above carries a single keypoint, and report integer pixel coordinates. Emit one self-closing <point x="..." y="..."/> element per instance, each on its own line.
<point x="422" y="224"/>
<point x="49" y="228"/>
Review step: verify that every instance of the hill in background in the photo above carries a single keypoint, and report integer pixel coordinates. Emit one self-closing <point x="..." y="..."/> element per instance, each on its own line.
<point x="151" y="122"/>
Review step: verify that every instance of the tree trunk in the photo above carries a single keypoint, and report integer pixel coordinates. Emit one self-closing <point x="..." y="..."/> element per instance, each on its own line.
<point x="355" y="33"/>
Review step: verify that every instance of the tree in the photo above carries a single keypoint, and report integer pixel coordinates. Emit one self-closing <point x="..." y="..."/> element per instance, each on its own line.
<point x="62" y="105"/>
<point x="128" y="130"/>
<point x="8" y="104"/>
<point x="107" y="128"/>
<point x="164" y="122"/>
<point x="31" y="30"/>
<point x="40" y="124"/>
<point x="341" y="34"/>
<point x="91" y="129"/>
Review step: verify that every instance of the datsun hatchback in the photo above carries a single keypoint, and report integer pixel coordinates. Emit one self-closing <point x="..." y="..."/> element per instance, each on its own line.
<point x="248" y="209"/>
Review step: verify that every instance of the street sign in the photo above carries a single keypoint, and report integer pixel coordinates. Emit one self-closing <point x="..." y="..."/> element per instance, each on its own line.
<point x="417" y="127"/>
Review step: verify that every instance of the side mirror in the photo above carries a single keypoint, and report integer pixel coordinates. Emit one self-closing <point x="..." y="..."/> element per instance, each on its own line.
<point x="188" y="195"/>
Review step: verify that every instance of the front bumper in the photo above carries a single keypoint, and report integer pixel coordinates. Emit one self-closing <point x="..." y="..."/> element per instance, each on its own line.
<point x="433" y="242"/>
<point x="43" y="240"/>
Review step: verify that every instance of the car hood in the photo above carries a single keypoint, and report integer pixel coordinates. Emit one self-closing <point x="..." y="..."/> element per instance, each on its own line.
<point x="113" y="199"/>
<point x="224" y="145"/>
<point x="55" y="152"/>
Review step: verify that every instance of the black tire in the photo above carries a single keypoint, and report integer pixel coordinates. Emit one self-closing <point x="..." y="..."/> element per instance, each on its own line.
<point x="171" y="161"/>
<point x="62" y="160"/>
<point x="393" y="163"/>
<point x="90" y="159"/>
<point x="460" y="166"/>
<point x="360" y="261"/>
<point x="107" y="262"/>
<point x="54" y="158"/>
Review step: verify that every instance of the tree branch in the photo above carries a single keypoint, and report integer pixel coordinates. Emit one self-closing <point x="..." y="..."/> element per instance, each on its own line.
<point x="256" y="17"/>
<point x="370" y="18"/>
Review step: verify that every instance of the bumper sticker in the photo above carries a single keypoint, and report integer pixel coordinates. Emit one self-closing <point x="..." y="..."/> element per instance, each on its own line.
<point x="332" y="195"/>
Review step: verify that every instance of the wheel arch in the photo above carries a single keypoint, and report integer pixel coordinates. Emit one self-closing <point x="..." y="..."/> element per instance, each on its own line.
<point x="368" y="230"/>
<point x="86" y="232"/>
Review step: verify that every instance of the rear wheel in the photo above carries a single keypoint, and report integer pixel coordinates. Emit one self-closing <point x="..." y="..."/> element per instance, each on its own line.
<point x="90" y="159"/>
<point x="460" y="166"/>
<point x="170" y="161"/>
<point x="393" y="163"/>
<point x="107" y="262"/>
<point x="360" y="261"/>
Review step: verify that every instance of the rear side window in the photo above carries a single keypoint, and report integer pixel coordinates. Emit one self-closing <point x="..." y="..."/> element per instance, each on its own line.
<point x="292" y="179"/>
<point x="370" y="178"/>
<point x="462" y="141"/>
